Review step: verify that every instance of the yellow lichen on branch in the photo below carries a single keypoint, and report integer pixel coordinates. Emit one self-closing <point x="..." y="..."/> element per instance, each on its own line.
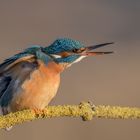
<point x="84" y="110"/>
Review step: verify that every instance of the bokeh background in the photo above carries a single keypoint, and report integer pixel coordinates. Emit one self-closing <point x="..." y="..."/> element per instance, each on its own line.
<point x="109" y="79"/>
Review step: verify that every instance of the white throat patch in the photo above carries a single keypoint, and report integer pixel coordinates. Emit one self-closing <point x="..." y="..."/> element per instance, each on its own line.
<point x="79" y="59"/>
<point x="56" y="56"/>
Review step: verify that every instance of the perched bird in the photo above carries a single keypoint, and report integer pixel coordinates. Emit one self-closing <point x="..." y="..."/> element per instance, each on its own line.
<point x="30" y="79"/>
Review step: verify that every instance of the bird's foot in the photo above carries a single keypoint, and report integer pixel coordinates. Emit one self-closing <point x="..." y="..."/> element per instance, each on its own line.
<point x="38" y="112"/>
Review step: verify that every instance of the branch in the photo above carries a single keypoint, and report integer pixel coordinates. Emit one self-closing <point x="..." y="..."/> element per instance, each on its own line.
<point x="84" y="110"/>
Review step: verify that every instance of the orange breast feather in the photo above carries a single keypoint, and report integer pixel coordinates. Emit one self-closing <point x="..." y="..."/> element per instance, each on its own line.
<point x="39" y="90"/>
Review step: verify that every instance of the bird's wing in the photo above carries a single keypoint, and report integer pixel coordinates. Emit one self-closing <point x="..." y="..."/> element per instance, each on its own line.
<point x="4" y="82"/>
<point x="19" y="71"/>
<point x="12" y="79"/>
<point x="23" y="56"/>
<point x="8" y="63"/>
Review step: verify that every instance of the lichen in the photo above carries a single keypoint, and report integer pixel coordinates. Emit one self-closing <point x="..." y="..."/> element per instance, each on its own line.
<point x="85" y="110"/>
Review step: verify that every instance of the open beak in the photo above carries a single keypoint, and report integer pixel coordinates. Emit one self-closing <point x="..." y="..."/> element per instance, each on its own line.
<point x="89" y="50"/>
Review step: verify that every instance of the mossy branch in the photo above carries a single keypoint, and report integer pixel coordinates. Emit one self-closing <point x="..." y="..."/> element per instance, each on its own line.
<point x="85" y="110"/>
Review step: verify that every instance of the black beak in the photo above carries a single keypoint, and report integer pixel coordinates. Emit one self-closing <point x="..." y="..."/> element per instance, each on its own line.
<point x="89" y="50"/>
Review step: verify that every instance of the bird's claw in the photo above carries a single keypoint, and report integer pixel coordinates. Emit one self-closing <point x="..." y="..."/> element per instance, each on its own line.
<point x="38" y="111"/>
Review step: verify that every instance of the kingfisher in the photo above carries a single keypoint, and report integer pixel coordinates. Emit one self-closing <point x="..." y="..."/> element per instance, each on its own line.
<point x="30" y="79"/>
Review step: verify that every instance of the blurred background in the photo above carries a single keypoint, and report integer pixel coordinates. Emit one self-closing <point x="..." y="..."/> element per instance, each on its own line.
<point x="109" y="79"/>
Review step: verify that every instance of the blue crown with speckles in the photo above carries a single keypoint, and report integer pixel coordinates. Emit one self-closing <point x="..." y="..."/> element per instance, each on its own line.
<point x="63" y="44"/>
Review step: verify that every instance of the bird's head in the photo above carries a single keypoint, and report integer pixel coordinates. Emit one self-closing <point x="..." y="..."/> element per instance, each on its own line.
<point x="67" y="51"/>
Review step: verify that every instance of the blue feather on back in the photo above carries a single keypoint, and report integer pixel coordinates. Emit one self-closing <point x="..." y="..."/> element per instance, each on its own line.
<point x="29" y="51"/>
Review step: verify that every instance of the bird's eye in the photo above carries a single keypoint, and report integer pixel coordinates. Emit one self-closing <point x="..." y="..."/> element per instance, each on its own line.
<point x="75" y="50"/>
<point x="78" y="50"/>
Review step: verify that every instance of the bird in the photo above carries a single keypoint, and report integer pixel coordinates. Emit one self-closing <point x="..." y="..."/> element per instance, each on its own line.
<point x="30" y="79"/>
